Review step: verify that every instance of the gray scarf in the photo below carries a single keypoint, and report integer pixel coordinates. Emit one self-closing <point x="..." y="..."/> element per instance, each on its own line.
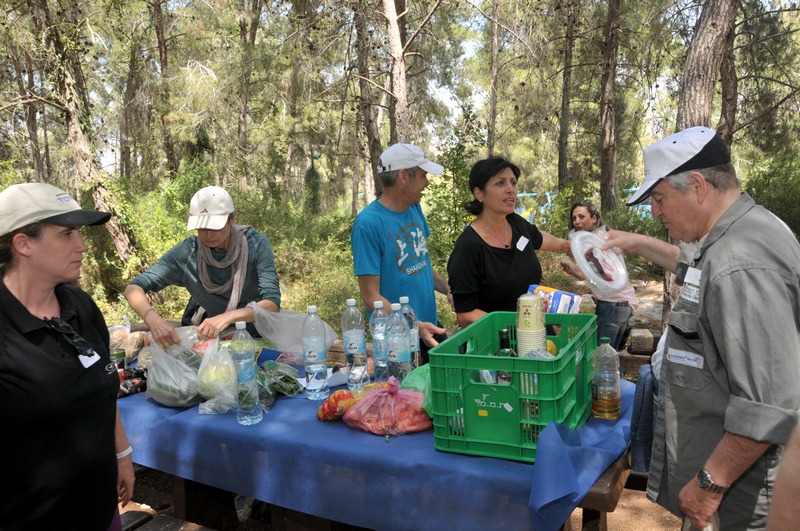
<point x="236" y="256"/>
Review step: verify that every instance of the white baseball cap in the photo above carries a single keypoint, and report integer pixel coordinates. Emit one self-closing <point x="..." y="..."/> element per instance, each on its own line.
<point x="26" y="203"/>
<point x="209" y="209"/>
<point x="405" y="156"/>
<point x="694" y="148"/>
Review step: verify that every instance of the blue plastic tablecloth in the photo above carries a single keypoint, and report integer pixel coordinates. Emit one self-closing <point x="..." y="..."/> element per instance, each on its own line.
<point x="327" y="469"/>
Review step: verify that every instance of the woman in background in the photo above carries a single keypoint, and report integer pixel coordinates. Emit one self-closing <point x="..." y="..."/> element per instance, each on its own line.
<point x="64" y="455"/>
<point x="494" y="260"/>
<point x="613" y="311"/>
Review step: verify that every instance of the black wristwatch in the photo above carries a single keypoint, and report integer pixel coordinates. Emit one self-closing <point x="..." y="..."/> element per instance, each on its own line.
<point x="706" y="483"/>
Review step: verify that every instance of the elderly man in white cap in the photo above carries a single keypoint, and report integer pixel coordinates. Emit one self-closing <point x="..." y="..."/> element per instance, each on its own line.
<point x="223" y="268"/>
<point x="390" y="253"/>
<point x="728" y="396"/>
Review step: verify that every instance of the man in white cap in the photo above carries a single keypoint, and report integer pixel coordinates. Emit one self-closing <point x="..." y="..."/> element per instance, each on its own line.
<point x="728" y="396"/>
<point x="223" y="268"/>
<point x="390" y="253"/>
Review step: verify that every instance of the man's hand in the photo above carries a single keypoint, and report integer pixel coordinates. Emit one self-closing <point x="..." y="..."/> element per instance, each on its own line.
<point x="426" y="331"/>
<point x="697" y="504"/>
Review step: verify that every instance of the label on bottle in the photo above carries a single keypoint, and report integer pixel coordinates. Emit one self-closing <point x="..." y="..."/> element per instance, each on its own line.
<point x="355" y="341"/>
<point x="397" y="350"/>
<point x="314" y="350"/>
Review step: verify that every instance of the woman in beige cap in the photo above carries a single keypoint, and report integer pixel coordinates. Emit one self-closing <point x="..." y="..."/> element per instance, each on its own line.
<point x="64" y="455"/>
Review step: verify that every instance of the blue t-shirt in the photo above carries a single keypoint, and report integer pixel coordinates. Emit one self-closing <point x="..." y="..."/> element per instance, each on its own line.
<point x="393" y="245"/>
<point x="178" y="267"/>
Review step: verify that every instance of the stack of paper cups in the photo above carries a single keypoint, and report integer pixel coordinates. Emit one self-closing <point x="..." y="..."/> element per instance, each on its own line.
<point x="531" y="333"/>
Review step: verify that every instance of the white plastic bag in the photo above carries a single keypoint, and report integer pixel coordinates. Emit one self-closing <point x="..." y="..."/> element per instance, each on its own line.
<point x="216" y="380"/>
<point x="170" y="381"/>
<point x="284" y="329"/>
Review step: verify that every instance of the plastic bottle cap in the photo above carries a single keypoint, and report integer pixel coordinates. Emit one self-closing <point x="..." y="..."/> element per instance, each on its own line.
<point x="395" y="306"/>
<point x="350" y="302"/>
<point x="605" y="340"/>
<point x="378" y="304"/>
<point x="240" y="325"/>
<point x="312" y="309"/>
<point x="404" y="299"/>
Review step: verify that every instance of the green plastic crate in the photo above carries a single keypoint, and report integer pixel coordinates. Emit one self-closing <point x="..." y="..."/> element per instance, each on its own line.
<point x="504" y="420"/>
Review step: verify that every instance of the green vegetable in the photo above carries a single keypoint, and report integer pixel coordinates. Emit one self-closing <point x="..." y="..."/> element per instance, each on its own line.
<point x="280" y="378"/>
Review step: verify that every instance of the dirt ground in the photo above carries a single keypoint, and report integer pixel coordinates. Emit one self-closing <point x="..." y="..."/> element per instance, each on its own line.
<point x="633" y="513"/>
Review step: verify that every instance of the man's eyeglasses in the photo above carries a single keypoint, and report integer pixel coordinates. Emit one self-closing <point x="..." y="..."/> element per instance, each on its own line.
<point x="81" y="346"/>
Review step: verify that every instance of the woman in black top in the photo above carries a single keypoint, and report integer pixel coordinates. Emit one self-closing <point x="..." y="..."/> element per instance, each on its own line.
<point x="64" y="455"/>
<point x="494" y="260"/>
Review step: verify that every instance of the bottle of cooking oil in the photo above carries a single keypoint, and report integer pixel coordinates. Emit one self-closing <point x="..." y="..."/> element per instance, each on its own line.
<point x="606" y="396"/>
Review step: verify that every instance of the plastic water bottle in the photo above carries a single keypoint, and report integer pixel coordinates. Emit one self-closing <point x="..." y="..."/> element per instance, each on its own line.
<point x="315" y="356"/>
<point x="606" y="395"/>
<point x="377" y="327"/>
<point x="397" y="351"/>
<point x="355" y="345"/>
<point x="413" y="330"/>
<point x="242" y="351"/>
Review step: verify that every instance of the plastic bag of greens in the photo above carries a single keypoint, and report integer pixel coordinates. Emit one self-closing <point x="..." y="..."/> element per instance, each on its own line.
<point x="170" y="381"/>
<point x="280" y="377"/>
<point x="420" y="380"/>
<point x="216" y="380"/>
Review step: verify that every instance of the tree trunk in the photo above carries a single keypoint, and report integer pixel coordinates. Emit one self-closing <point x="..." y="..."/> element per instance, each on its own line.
<point x="490" y="134"/>
<point x="563" y="120"/>
<point x="729" y="85"/>
<point x="25" y="91"/>
<point x="608" y="122"/>
<point x="366" y="103"/>
<point x="249" y="22"/>
<point x="400" y="119"/>
<point x="64" y="65"/>
<point x="169" y="146"/>
<point x="703" y="63"/>
<point x="128" y="112"/>
<point x="709" y="46"/>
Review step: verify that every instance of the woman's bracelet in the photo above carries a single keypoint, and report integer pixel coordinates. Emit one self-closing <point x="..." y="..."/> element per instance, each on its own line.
<point x="126" y="452"/>
<point x="147" y="312"/>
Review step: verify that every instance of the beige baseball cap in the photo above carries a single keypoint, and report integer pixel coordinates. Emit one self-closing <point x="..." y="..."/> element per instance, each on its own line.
<point x="209" y="209"/>
<point x="26" y="203"/>
<point x="405" y="156"/>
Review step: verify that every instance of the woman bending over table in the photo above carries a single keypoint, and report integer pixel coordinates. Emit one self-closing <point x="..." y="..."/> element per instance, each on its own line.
<point x="64" y="456"/>
<point x="494" y="260"/>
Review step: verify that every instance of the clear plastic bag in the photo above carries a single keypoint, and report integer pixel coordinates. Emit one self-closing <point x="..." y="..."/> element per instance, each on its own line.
<point x="216" y="380"/>
<point x="390" y="411"/>
<point x="170" y="381"/>
<point x="279" y="377"/>
<point x="284" y="329"/>
<point x="190" y="349"/>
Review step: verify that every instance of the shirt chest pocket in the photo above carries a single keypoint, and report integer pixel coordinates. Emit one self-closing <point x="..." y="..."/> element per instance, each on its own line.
<point x="686" y="366"/>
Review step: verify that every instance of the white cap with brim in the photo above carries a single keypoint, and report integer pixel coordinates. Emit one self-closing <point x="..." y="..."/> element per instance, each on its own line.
<point x="694" y="148"/>
<point x="27" y="203"/>
<point x="209" y="209"/>
<point x="405" y="156"/>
